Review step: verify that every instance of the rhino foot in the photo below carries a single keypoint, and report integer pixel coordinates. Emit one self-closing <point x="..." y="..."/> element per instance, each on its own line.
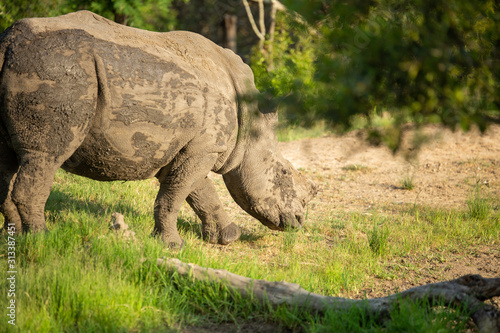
<point x="35" y="229"/>
<point x="174" y="242"/>
<point x="176" y="245"/>
<point x="227" y="235"/>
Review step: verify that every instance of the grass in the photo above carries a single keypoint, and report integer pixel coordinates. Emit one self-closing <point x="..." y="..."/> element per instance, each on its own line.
<point x="408" y="317"/>
<point x="478" y="205"/>
<point x="407" y="183"/>
<point x="293" y="133"/>
<point x="378" y="239"/>
<point x="81" y="277"/>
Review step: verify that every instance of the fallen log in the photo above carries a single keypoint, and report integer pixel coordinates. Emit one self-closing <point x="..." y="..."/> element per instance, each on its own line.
<point x="469" y="291"/>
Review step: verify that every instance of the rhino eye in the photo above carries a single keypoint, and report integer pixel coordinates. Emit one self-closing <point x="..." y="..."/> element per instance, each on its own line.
<point x="285" y="172"/>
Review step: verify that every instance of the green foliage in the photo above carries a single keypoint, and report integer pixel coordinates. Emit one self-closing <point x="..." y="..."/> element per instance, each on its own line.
<point x="289" y="239"/>
<point x="13" y="10"/>
<point x="423" y="62"/>
<point x="407" y="183"/>
<point x="290" y="67"/>
<point x="406" y="317"/>
<point x="154" y="15"/>
<point x="145" y="14"/>
<point x="292" y="132"/>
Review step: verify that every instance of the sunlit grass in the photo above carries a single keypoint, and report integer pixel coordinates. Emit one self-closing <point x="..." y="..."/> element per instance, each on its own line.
<point x="81" y="276"/>
<point x="479" y="206"/>
<point x="289" y="132"/>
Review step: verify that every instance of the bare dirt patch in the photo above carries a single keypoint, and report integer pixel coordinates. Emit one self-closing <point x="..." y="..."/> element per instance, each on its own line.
<point x="443" y="173"/>
<point x="354" y="176"/>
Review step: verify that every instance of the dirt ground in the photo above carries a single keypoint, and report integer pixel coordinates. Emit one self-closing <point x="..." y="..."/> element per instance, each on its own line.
<point x="443" y="172"/>
<point x="354" y="176"/>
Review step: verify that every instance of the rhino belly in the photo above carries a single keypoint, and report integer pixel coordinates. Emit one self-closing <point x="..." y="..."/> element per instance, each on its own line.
<point x="98" y="159"/>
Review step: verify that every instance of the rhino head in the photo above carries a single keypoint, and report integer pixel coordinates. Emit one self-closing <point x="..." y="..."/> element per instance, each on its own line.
<point x="265" y="184"/>
<point x="274" y="193"/>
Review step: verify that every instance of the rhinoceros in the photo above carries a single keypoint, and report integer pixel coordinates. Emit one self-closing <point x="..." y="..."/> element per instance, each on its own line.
<point x="111" y="102"/>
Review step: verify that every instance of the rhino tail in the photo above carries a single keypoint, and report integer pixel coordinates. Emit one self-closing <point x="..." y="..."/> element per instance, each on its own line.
<point x="2" y="59"/>
<point x="6" y="39"/>
<point x="3" y="49"/>
<point x="103" y="115"/>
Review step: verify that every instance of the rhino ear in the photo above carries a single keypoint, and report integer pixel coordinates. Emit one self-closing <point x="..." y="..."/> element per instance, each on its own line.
<point x="268" y="104"/>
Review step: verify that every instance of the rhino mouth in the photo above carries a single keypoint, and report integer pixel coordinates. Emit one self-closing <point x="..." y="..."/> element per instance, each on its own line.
<point x="291" y="222"/>
<point x="283" y="222"/>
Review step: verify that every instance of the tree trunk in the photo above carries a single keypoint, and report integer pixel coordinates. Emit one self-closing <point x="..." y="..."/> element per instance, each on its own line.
<point x="469" y="291"/>
<point x="229" y="26"/>
<point x="272" y="28"/>
<point x="260" y="34"/>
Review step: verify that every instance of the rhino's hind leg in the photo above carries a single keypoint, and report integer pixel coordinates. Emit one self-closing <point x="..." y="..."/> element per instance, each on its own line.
<point x="48" y="99"/>
<point x="32" y="188"/>
<point x="217" y="227"/>
<point x="8" y="171"/>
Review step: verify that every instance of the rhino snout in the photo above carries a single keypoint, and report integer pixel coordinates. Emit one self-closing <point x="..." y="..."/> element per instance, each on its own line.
<point x="291" y="222"/>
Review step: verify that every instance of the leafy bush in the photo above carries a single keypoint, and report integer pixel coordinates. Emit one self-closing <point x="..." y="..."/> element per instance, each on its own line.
<point x="290" y="67"/>
<point x="145" y="14"/>
<point x="420" y="61"/>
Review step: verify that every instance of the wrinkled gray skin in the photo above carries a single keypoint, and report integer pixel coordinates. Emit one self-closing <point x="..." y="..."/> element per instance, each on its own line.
<point x="111" y="102"/>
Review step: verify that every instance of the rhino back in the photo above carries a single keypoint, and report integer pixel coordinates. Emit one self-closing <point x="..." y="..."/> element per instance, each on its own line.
<point x="190" y="51"/>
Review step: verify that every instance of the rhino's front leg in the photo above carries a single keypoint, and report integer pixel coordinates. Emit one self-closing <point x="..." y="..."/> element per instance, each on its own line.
<point x="217" y="227"/>
<point x="177" y="181"/>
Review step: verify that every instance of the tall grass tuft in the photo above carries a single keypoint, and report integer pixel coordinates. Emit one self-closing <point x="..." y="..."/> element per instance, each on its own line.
<point x="478" y="206"/>
<point x="289" y="239"/>
<point x="378" y="239"/>
<point x="407" y="183"/>
<point x="406" y="316"/>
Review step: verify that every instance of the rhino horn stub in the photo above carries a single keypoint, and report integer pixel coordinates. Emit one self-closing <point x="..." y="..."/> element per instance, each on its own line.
<point x="311" y="189"/>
